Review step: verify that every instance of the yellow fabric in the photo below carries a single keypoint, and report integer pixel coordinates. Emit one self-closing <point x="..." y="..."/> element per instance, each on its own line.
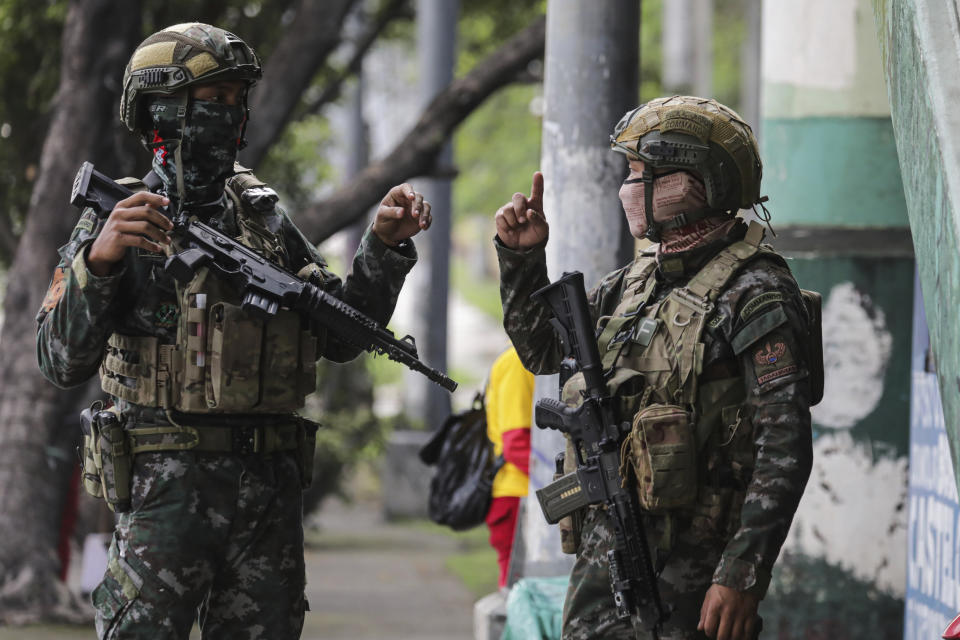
<point x="509" y="405"/>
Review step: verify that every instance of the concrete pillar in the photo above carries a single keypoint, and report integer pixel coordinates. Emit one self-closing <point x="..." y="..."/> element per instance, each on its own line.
<point x="436" y="48"/>
<point x="751" y="55"/>
<point x="836" y="197"/>
<point x="591" y="79"/>
<point x="688" y="47"/>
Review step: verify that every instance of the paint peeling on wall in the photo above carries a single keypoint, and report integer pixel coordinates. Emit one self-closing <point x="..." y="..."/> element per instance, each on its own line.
<point x="856" y="351"/>
<point x="849" y="484"/>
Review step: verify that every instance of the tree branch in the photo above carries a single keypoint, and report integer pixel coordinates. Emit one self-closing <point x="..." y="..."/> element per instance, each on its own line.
<point x="417" y="153"/>
<point x="393" y="10"/>
<point x="312" y="35"/>
<point x="8" y="239"/>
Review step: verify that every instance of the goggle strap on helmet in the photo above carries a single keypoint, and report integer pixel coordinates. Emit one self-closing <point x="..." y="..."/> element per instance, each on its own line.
<point x="653" y="229"/>
<point x="688" y="217"/>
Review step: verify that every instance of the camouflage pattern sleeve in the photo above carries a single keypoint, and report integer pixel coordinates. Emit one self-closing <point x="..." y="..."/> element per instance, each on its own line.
<point x="372" y="287"/>
<point x="767" y="330"/>
<point x="75" y="319"/>
<point x="528" y="323"/>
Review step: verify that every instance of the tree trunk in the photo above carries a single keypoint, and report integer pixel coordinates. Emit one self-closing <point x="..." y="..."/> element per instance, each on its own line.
<point x="37" y="421"/>
<point x="312" y="35"/>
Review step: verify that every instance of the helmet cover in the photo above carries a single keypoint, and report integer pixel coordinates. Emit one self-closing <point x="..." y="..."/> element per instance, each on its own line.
<point x="180" y="56"/>
<point x="699" y="135"/>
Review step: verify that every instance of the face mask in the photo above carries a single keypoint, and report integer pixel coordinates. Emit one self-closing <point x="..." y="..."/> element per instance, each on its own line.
<point x="673" y="194"/>
<point x="208" y="147"/>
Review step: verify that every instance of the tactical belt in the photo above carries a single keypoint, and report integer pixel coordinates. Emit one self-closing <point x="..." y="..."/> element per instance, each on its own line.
<point x="240" y="440"/>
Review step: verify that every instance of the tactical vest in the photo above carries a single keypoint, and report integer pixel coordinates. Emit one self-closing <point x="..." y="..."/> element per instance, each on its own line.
<point x="225" y="359"/>
<point x="656" y="351"/>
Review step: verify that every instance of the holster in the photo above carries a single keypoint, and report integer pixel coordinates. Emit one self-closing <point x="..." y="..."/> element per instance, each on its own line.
<point x="307" y="438"/>
<point x="106" y="457"/>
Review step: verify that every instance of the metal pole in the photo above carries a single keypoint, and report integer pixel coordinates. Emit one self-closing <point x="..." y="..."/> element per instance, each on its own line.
<point x="436" y="48"/>
<point x="591" y="81"/>
<point x="678" y="71"/>
<point x="357" y="158"/>
<point x="750" y="64"/>
<point x="702" y="19"/>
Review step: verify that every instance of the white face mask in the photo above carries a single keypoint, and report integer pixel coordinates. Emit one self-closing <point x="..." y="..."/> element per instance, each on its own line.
<point x="673" y="193"/>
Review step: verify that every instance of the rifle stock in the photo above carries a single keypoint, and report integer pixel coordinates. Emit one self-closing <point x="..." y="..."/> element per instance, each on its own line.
<point x="265" y="287"/>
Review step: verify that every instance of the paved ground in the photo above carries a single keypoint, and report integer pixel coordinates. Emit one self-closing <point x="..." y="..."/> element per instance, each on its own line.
<point x="373" y="580"/>
<point x="367" y="580"/>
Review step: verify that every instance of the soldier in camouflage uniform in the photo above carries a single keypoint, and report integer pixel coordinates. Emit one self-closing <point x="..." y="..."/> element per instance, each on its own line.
<point x="206" y="393"/>
<point x="706" y="341"/>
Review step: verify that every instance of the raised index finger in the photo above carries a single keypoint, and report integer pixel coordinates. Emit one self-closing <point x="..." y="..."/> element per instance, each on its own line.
<point x="536" y="192"/>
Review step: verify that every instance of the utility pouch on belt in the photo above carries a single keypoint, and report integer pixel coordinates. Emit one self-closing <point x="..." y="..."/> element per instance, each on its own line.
<point x="106" y="457"/>
<point x="90" y="456"/>
<point x="661" y="448"/>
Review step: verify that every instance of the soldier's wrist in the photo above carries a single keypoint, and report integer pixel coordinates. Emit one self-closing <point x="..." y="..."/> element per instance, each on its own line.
<point x="95" y="265"/>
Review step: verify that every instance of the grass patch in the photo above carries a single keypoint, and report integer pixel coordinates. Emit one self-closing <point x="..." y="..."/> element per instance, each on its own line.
<point x="476" y="538"/>
<point x="477" y="570"/>
<point x="475" y="562"/>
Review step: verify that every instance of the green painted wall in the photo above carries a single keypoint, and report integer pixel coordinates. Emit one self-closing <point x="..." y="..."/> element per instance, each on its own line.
<point x="887" y="286"/>
<point x="833" y="171"/>
<point x="920" y="53"/>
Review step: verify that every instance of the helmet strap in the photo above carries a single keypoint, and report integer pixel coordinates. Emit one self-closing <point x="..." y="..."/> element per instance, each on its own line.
<point x="653" y="229"/>
<point x="178" y="153"/>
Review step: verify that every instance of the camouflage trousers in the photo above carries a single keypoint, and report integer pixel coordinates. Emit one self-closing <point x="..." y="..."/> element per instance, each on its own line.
<point x="213" y="535"/>
<point x="589" y="612"/>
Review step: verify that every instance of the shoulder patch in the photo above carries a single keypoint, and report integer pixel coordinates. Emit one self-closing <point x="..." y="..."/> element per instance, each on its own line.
<point x="773" y="359"/>
<point x="56" y="289"/>
<point x="759" y="302"/>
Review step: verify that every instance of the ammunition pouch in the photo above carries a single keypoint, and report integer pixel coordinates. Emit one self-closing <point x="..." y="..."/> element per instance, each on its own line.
<point x="661" y="449"/>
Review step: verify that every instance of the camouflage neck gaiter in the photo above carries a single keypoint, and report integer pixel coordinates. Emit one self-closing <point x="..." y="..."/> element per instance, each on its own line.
<point x="208" y="149"/>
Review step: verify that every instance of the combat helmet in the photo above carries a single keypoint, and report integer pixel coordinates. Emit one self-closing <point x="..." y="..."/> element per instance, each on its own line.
<point x="698" y="135"/>
<point x="180" y="56"/>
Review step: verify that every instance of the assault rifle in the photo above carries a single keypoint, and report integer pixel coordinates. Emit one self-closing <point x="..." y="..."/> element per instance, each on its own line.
<point x="596" y="440"/>
<point x="265" y="286"/>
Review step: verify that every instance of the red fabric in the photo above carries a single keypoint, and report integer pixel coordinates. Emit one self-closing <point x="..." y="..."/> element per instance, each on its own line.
<point x="502" y="520"/>
<point x="68" y="520"/>
<point x="952" y="632"/>
<point x="516" y="448"/>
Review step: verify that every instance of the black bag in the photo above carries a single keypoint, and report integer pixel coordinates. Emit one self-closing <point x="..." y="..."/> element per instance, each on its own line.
<point x="460" y="490"/>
